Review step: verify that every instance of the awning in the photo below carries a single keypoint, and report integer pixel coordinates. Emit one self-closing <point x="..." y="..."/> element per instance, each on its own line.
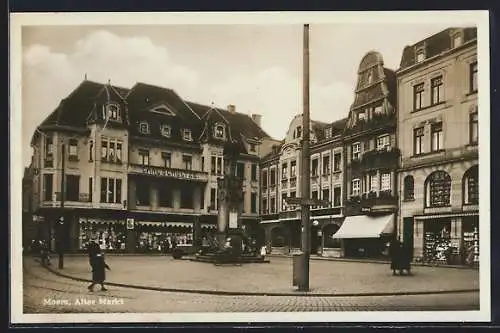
<point x="179" y="224"/>
<point x="363" y="226"/>
<point x="208" y="226"/>
<point x="99" y="221"/>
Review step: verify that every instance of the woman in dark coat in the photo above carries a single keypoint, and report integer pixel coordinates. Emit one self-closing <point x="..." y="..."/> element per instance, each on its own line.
<point x="99" y="267"/>
<point x="92" y="249"/>
<point x="395" y="251"/>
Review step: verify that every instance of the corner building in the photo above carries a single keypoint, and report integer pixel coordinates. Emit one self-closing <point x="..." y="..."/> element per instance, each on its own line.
<point x="140" y="167"/>
<point x="438" y="137"/>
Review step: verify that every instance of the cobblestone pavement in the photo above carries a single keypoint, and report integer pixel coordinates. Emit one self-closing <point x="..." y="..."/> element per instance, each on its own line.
<point x="326" y="277"/>
<point x="42" y="289"/>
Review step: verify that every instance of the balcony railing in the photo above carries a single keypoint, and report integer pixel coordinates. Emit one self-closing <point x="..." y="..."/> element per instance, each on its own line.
<point x="383" y="158"/>
<point x="383" y="198"/>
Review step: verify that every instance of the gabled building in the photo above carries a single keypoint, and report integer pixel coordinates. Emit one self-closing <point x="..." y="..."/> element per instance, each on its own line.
<point x="438" y="136"/>
<point x="139" y="166"/>
<point x="371" y="161"/>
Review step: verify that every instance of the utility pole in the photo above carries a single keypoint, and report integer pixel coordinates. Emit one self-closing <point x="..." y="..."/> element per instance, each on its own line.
<point x="60" y="236"/>
<point x="305" y="186"/>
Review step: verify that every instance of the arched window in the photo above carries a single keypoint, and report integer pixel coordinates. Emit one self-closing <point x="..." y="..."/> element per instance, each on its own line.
<point x="409" y="188"/>
<point x="470" y="187"/>
<point x="438" y="189"/>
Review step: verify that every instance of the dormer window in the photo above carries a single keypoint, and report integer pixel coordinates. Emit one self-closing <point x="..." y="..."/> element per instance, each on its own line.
<point x="186" y="135"/>
<point x="113" y="112"/>
<point x="299" y="132"/>
<point x="457" y="39"/>
<point x="361" y="116"/>
<point x="370" y="77"/>
<point x="144" y="127"/>
<point x="420" y="55"/>
<point x="328" y="133"/>
<point x="252" y="147"/>
<point x="219" y="131"/>
<point x="166" y="131"/>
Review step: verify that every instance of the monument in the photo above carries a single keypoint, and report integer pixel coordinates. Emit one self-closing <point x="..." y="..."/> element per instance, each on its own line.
<point x="231" y="244"/>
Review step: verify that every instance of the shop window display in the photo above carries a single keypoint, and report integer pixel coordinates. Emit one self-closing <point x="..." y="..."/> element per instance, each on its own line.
<point x="470" y="245"/>
<point x="109" y="237"/>
<point x="157" y="241"/>
<point x="437" y="242"/>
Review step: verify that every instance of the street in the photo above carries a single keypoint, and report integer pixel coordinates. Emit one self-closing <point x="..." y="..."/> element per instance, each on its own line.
<point x="45" y="292"/>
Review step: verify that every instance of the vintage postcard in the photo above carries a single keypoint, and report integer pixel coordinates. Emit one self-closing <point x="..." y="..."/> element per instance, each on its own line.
<point x="250" y="167"/>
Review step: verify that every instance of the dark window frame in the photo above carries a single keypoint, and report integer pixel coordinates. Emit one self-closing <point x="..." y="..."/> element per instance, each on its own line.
<point x="418" y="96"/>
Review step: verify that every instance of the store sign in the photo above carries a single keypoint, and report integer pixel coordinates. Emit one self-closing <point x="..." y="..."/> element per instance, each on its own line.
<point x="170" y="173"/>
<point x="130" y="224"/>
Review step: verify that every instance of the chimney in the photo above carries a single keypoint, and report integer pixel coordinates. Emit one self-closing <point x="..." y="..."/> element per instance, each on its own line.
<point x="231" y="108"/>
<point x="257" y="119"/>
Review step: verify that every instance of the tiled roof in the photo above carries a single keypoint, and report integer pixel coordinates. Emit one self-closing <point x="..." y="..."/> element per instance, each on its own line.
<point x="435" y="44"/>
<point x="338" y="126"/>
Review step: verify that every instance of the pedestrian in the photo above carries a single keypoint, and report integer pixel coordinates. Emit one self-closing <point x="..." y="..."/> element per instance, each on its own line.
<point x="99" y="267"/>
<point x="92" y="249"/>
<point x="395" y="251"/>
<point x="406" y="257"/>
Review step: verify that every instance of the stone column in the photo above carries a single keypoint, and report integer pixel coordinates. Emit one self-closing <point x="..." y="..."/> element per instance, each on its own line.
<point x="196" y="222"/>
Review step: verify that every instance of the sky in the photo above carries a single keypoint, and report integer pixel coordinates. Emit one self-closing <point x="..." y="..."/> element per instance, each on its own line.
<point x="258" y="68"/>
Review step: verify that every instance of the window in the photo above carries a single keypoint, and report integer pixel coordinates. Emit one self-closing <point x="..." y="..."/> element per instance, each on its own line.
<point x="252" y="147"/>
<point x="420" y="55"/>
<point x="471" y="186"/>
<point x="219" y="131"/>
<point x="165" y="196"/>
<point x="219" y="166"/>
<point x="118" y="152"/>
<point x="104" y="150"/>
<point x="144" y="156"/>
<point x="337" y="161"/>
<point x="166" y="131"/>
<point x="436" y="90"/>
<point x="91" y="151"/>
<point x="378" y="109"/>
<point x="314" y="168"/>
<point x="370" y="77"/>
<point x="326" y="165"/>
<point x="437" y="137"/>
<point x="337" y="196"/>
<point x="457" y="40"/>
<point x="299" y="131"/>
<point x="328" y="133"/>
<point x="118" y="192"/>
<point x="240" y="170"/>
<point x="273" y="205"/>
<point x="361" y="116"/>
<point x="326" y="194"/>
<point x="111" y="150"/>
<point x="49" y="151"/>
<point x="73" y="150"/>
<point x="373" y="183"/>
<point x="355" y="187"/>
<point x="144" y="127"/>
<point x="213" y="198"/>
<point x="283" y="201"/>
<point x="47" y="186"/>
<point x="438" y="189"/>
<point x="473" y="130"/>
<point x="187" y="162"/>
<point x="113" y="112"/>
<point x="418" y="92"/>
<point x="293" y="169"/>
<point x="111" y="190"/>
<point x="473" y="78"/>
<point x="111" y="153"/>
<point x="418" y="141"/>
<point x="72" y="188"/>
<point x="314" y="195"/>
<point x="264" y="208"/>
<point x="186" y="198"/>
<point x="253" y="203"/>
<point x="356" y="151"/>
<point x="91" y="189"/>
<point x="383" y="142"/>
<point x="213" y="163"/>
<point x="273" y="177"/>
<point x="142" y="193"/>
<point x="254" y="172"/>
<point x="293" y="194"/>
<point x="409" y="188"/>
<point x="385" y="183"/>
<point x="284" y="171"/>
<point x="167" y="159"/>
<point x="203" y="163"/>
<point x="264" y="178"/>
<point x="186" y="135"/>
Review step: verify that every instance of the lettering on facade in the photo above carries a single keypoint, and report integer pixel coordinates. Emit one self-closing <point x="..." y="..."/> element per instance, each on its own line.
<point x="172" y="173"/>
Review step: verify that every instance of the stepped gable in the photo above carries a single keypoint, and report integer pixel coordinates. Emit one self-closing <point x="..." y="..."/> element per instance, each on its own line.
<point x="435" y="45"/>
<point x="160" y="106"/>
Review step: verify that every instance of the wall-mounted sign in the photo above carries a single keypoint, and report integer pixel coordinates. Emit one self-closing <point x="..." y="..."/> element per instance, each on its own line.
<point x="233" y="220"/>
<point x="169" y="172"/>
<point x="130" y="224"/>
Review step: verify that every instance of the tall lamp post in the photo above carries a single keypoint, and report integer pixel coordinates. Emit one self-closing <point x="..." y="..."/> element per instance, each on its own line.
<point x="61" y="223"/>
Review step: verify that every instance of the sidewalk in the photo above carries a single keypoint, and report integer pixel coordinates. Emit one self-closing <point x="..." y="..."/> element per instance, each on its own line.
<point x="340" y="279"/>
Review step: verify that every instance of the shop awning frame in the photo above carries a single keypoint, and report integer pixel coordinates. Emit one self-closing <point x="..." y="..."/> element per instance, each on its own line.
<point x="364" y="226"/>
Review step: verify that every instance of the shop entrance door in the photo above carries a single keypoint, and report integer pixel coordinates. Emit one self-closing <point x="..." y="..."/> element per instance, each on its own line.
<point x="408" y="232"/>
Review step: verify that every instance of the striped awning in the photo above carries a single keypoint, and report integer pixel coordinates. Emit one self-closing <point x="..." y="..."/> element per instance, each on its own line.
<point x="445" y="215"/>
<point x="179" y="224"/>
<point x="99" y="221"/>
<point x="208" y="226"/>
<point x="150" y="223"/>
<point x="270" y="221"/>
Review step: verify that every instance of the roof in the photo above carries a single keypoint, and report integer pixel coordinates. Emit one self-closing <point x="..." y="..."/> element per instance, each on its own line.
<point x="435" y="44"/>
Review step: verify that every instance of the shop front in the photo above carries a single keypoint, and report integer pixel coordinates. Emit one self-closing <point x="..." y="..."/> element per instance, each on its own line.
<point x="109" y="234"/>
<point x="161" y="237"/>
<point x="366" y="236"/>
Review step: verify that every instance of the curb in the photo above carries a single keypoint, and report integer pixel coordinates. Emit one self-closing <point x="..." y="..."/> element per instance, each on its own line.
<point x="243" y="293"/>
<point x="368" y="261"/>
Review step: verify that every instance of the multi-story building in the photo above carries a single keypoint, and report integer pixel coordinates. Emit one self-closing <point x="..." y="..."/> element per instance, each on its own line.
<point x="372" y="159"/>
<point x="140" y="165"/>
<point x="29" y="221"/>
<point x="438" y="138"/>
<point x="281" y="178"/>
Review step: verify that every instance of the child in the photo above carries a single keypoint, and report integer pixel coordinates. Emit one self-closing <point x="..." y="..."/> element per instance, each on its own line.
<point x="99" y="267"/>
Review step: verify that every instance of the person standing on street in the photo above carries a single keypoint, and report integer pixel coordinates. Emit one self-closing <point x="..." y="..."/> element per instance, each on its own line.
<point x="99" y="267"/>
<point x="395" y="251"/>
